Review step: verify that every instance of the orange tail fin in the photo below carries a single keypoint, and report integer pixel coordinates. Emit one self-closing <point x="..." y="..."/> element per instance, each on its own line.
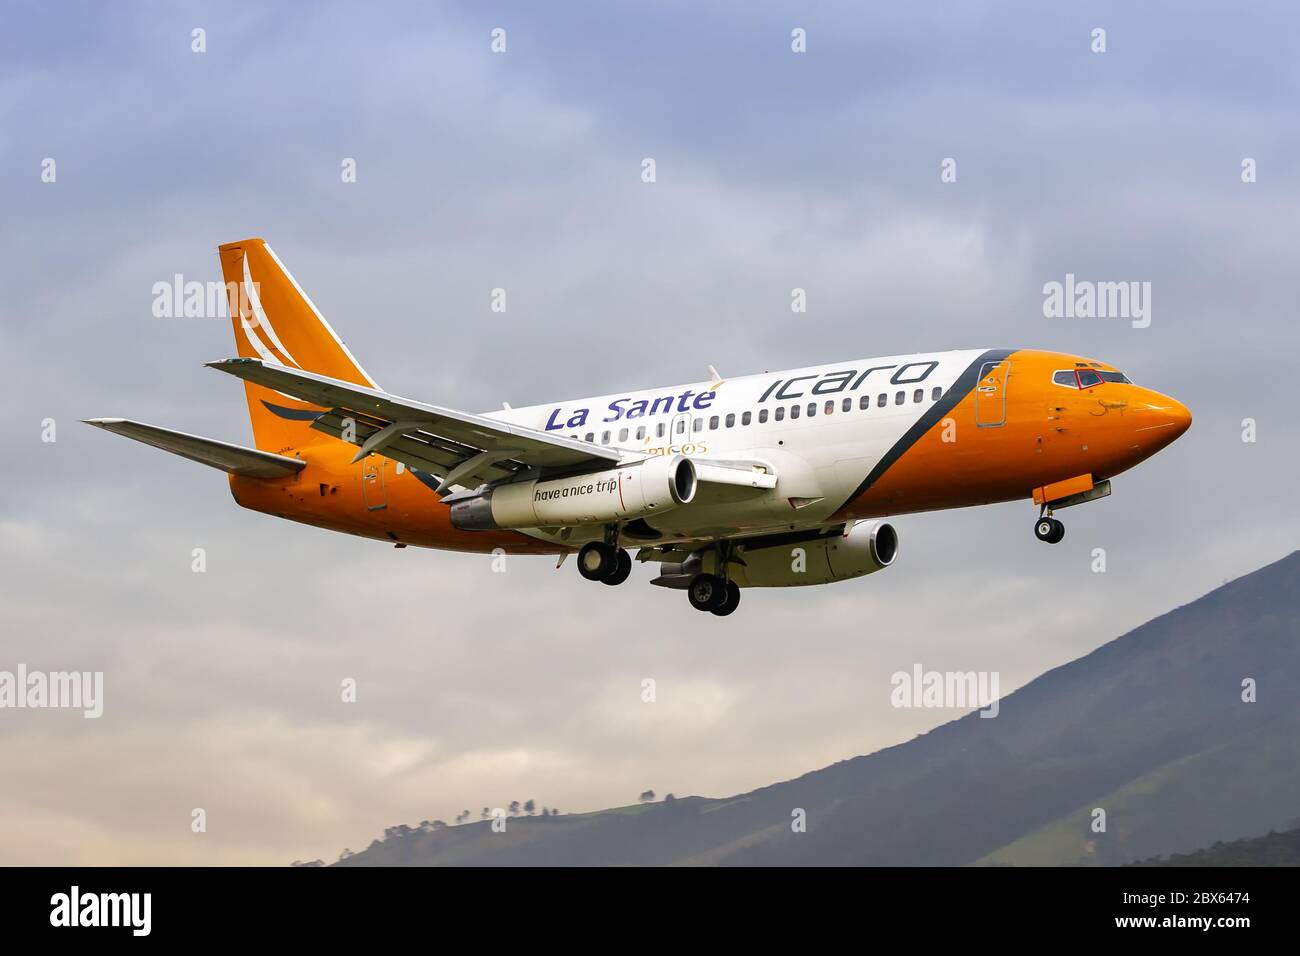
<point x="275" y="321"/>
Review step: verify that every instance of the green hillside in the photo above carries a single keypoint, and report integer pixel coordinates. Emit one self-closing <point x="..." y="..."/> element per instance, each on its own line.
<point x="1272" y="849"/>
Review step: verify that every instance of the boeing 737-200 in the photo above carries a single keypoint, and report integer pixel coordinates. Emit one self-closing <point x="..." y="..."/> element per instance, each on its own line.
<point x="774" y="480"/>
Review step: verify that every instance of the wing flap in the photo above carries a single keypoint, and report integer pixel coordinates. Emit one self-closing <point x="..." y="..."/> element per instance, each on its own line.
<point x="415" y="448"/>
<point x="235" y="459"/>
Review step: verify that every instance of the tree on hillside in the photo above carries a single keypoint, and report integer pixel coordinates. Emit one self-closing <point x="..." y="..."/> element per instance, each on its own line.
<point x="530" y="807"/>
<point x="514" y="808"/>
<point x="647" y="796"/>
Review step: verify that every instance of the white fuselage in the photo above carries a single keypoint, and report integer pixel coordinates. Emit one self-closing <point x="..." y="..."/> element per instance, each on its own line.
<point x="822" y="428"/>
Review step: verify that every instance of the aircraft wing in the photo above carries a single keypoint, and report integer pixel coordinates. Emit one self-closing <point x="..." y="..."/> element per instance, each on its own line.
<point x="459" y="447"/>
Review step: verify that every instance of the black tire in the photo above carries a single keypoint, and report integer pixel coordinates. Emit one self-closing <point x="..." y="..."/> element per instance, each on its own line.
<point x="1044" y="529"/>
<point x="596" y="560"/>
<point x="622" y="568"/>
<point x="1058" y="532"/>
<point x="732" y="602"/>
<point x="707" y="592"/>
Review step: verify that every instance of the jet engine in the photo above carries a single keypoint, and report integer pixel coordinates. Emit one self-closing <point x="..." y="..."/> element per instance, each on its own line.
<point x="639" y="490"/>
<point x="865" y="548"/>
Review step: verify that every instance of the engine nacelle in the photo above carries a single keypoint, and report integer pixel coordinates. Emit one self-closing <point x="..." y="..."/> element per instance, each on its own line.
<point x="868" y="547"/>
<point x="639" y="490"/>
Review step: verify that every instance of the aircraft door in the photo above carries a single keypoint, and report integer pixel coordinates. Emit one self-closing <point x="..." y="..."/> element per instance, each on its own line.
<point x="373" y="491"/>
<point x="991" y="394"/>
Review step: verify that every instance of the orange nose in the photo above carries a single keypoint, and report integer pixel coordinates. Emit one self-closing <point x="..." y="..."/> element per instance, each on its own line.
<point x="1161" y="419"/>
<point x="1181" y="415"/>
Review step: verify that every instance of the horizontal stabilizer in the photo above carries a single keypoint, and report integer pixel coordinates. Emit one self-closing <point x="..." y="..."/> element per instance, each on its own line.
<point x="235" y="459"/>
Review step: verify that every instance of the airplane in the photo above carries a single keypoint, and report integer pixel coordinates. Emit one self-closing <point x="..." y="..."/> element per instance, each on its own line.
<point x="781" y="479"/>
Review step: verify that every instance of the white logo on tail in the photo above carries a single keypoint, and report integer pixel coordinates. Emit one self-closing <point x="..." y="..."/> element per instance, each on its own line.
<point x="260" y="321"/>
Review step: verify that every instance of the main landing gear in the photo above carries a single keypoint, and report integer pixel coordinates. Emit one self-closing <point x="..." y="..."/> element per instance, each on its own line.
<point x="716" y="593"/>
<point x="708" y="592"/>
<point x="1048" y="528"/>
<point x="604" y="562"/>
<point x="608" y="563"/>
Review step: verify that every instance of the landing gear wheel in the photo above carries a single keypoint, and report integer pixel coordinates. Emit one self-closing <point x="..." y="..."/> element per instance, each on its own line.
<point x="1049" y="530"/>
<point x="597" y="560"/>
<point x="732" y="602"/>
<point x="707" y="592"/>
<point x="622" y="568"/>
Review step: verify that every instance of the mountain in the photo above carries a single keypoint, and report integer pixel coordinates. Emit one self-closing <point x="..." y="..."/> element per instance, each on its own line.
<point x="1151" y="728"/>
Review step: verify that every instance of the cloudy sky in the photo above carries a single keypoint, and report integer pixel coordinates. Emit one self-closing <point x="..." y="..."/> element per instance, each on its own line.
<point x="521" y="170"/>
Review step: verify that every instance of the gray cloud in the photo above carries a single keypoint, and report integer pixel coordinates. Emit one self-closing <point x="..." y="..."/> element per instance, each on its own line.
<point x="521" y="171"/>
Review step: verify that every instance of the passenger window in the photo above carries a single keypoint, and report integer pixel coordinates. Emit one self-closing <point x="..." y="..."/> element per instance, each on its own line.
<point x="591" y="436"/>
<point x="731" y="419"/>
<point x="934" y="395"/>
<point x="847" y="405"/>
<point x="830" y="407"/>
<point x="713" y="423"/>
<point x="640" y="433"/>
<point x="659" y="430"/>
<point x="812" y="409"/>
<point x="794" y="411"/>
<point x="762" y="416"/>
<point x="698" y="426"/>
<point x="622" y="434"/>
<point x="744" y="419"/>
<point x="1088" y="378"/>
<point x="882" y="400"/>
<point x="918" y="395"/>
<point x="681" y="425"/>
<point x="780" y="413"/>
<point x="864" y="401"/>
<point x="604" y="438"/>
<point x="899" y="397"/>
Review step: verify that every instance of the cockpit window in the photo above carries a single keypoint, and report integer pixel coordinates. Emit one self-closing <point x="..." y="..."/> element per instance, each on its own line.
<point x="1087" y="377"/>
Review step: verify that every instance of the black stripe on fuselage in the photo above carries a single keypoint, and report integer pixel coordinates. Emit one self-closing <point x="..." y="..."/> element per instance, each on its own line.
<point x="933" y="415"/>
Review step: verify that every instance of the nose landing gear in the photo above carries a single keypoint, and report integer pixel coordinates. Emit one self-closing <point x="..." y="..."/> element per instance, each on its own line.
<point x="1048" y="529"/>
